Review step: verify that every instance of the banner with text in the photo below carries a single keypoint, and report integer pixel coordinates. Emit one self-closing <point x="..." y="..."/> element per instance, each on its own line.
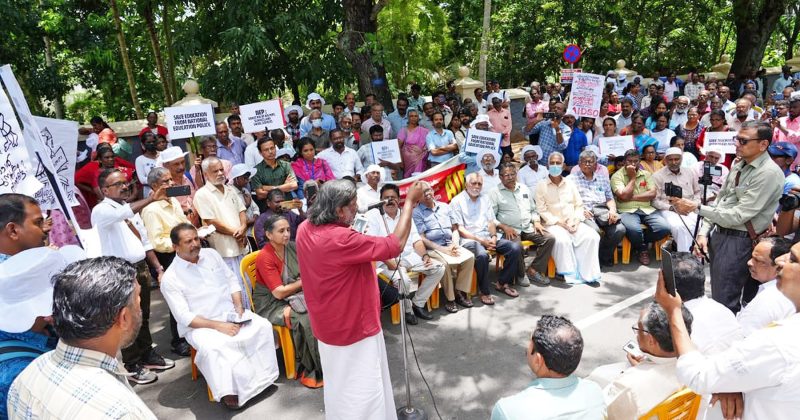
<point x="615" y="146"/>
<point x="587" y="94"/>
<point x="567" y="75"/>
<point x="16" y="170"/>
<point x="388" y="150"/>
<point x="267" y="115"/>
<point x="446" y="179"/>
<point x="479" y="140"/>
<point x="187" y="121"/>
<point x="724" y="141"/>
<point x="61" y="144"/>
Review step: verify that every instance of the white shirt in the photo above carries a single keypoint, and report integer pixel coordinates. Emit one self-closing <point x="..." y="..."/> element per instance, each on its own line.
<point x="669" y="89"/>
<point x="474" y="216"/>
<point x="202" y="289"/>
<point x="663" y="137"/>
<point x="529" y="177"/>
<point x="225" y="207"/>
<point x="714" y="327"/>
<point x="143" y="166"/>
<point x="365" y="196"/>
<point x="765" y="366"/>
<point x="116" y="238"/>
<point x="375" y="227"/>
<point x="490" y="182"/>
<point x="342" y="164"/>
<point x="768" y="306"/>
<point x="251" y="155"/>
<point x="622" y="121"/>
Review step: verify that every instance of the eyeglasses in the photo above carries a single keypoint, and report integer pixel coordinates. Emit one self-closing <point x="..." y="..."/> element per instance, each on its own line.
<point x="743" y="140"/>
<point x="636" y="329"/>
<point x="588" y="162"/>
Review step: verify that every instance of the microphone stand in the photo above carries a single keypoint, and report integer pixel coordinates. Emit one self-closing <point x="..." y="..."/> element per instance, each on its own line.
<point x="408" y="412"/>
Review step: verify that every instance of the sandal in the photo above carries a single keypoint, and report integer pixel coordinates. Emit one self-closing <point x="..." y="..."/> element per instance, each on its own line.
<point x="504" y="288"/>
<point x="451" y="307"/>
<point x="487" y="299"/>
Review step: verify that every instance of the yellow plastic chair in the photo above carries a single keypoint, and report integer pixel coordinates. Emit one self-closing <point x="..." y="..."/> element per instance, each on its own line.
<point x="248" y="270"/>
<point x="682" y="405"/>
<point x="498" y="262"/>
<point x="396" y="307"/>
<point x="626" y="248"/>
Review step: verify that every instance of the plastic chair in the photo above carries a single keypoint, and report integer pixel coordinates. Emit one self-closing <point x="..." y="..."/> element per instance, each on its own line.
<point x="626" y="247"/>
<point x="498" y="262"/>
<point x="682" y="405"/>
<point x="395" y="309"/>
<point x="248" y="270"/>
<point x="192" y="354"/>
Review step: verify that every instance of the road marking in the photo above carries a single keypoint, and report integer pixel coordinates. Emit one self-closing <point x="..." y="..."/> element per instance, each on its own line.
<point x="617" y="307"/>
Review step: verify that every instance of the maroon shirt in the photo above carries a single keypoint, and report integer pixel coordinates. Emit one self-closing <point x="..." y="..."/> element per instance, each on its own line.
<point x="339" y="280"/>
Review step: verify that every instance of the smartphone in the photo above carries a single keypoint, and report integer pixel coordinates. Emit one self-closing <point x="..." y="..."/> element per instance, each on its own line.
<point x="179" y="191"/>
<point x="632" y="348"/>
<point x="311" y="191"/>
<point x="291" y="204"/>
<point x="360" y="223"/>
<point x="666" y="266"/>
<point x="235" y="319"/>
<point x="774" y="112"/>
<point x="549" y="115"/>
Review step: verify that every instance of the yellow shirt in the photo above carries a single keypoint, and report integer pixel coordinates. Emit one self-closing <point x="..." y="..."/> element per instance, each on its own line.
<point x="159" y="218"/>
<point x="223" y="206"/>
<point x="558" y="203"/>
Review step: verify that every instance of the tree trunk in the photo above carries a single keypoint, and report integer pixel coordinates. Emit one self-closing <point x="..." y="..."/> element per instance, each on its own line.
<point x="791" y="32"/>
<point x="58" y="105"/>
<point x="126" y="61"/>
<point x="755" y="22"/>
<point x="173" y="84"/>
<point x="149" y="19"/>
<point x="487" y="19"/>
<point x="361" y="19"/>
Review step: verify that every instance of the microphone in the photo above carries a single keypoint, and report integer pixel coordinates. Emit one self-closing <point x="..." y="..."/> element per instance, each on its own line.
<point x="377" y="205"/>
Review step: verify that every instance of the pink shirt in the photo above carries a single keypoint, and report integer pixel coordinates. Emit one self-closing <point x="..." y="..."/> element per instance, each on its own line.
<point x="501" y="123"/>
<point x="532" y="108"/>
<point x="339" y="280"/>
<point x="792" y="136"/>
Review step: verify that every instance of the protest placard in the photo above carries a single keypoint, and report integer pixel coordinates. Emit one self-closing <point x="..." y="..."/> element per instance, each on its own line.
<point x="187" y="121"/>
<point x="16" y="169"/>
<point x="615" y="146"/>
<point x="724" y="141"/>
<point x="61" y="144"/>
<point x="479" y="140"/>
<point x="567" y="75"/>
<point x="388" y="150"/>
<point x="587" y="94"/>
<point x="267" y="115"/>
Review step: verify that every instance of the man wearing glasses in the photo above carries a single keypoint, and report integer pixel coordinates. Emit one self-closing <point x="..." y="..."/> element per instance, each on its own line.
<point x="740" y="215"/>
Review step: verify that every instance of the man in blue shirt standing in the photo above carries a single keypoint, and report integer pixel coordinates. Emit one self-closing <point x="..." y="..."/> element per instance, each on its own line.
<point x="440" y="141"/>
<point x="577" y="141"/>
<point x="554" y="352"/>
<point x="553" y="134"/>
<point x="783" y="154"/>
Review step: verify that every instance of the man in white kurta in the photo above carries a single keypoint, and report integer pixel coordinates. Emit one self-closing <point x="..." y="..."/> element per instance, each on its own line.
<point x="687" y="180"/>
<point x="561" y="209"/>
<point x="236" y="359"/>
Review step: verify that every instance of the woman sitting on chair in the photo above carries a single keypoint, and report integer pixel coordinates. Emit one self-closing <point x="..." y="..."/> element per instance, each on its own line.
<point x="278" y="297"/>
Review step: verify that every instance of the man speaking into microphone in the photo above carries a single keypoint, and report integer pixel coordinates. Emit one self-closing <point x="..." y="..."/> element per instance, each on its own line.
<point x="343" y="301"/>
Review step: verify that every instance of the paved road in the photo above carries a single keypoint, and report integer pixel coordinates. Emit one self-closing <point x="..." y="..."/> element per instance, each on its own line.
<point x="470" y="359"/>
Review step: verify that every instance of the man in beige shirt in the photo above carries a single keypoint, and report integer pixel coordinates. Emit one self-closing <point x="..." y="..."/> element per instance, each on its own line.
<point x="742" y="211"/>
<point x="686" y="179"/>
<point x="219" y="205"/>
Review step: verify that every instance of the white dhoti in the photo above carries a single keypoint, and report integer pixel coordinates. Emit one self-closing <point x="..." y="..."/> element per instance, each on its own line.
<point x="357" y="383"/>
<point x="242" y="365"/>
<point x="681" y="236"/>
<point x="235" y="264"/>
<point x="576" y="254"/>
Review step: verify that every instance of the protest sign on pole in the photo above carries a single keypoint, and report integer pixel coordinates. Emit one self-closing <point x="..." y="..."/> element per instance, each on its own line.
<point x="388" y="150"/>
<point x="16" y="168"/>
<point x="615" y="146"/>
<point x="187" y="121"/>
<point x="587" y="94"/>
<point x="61" y="144"/>
<point x="479" y="140"/>
<point x="567" y="75"/>
<point x="724" y="141"/>
<point x="267" y="115"/>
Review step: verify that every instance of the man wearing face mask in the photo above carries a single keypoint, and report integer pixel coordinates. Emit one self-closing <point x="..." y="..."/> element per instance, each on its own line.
<point x="316" y="102"/>
<point x="343" y="160"/>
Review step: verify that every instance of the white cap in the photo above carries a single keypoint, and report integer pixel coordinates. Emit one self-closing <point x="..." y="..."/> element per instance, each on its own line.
<point x="169" y="154"/>
<point x="482" y="153"/>
<point x="481" y="118"/>
<point x="284" y="152"/>
<point x="375" y="168"/>
<point x="714" y="149"/>
<point x="292" y="108"/>
<point x="673" y="151"/>
<point x="314" y="97"/>
<point x="241" y="169"/>
<point x="26" y="288"/>
<point x="532" y="148"/>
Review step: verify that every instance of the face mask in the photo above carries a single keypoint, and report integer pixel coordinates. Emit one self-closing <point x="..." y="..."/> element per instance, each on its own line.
<point x="555" y="170"/>
<point x="316" y="123"/>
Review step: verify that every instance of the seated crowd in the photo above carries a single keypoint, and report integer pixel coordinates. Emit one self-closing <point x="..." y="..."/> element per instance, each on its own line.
<point x="246" y="195"/>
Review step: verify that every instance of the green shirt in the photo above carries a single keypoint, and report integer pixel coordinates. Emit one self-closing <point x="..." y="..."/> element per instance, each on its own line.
<point x="514" y="208"/>
<point x="643" y="184"/>
<point x="754" y="199"/>
<point x="276" y="176"/>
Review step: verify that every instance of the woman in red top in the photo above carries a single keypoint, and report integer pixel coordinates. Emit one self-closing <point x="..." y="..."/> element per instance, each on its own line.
<point x="718" y="124"/>
<point x="278" y="297"/>
<point x="86" y="177"/>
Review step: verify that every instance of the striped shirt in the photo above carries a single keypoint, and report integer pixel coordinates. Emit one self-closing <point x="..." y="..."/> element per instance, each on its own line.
<point x="74" y="383"/>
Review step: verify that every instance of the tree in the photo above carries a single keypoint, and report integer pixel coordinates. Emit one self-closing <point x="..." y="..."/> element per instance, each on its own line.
<point x="126" y="62"/>
<point x="146" y="10"/>
<point x="755" y="22"/>
<point x="361" y="24"/>
<point x="789" y="27"/>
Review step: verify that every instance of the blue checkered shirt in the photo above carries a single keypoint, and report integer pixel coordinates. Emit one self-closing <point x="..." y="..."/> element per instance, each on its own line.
<point x="547" y="139"/>
<point x="595" y="192"/>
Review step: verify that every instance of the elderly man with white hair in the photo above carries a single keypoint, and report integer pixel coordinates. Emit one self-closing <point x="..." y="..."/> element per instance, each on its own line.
<point x="316" y="102"/>
<point x="488" y="161"/>
<point x="674" y="181"/>
<point x="561" y="210"/>
<point x="531" y="173"/>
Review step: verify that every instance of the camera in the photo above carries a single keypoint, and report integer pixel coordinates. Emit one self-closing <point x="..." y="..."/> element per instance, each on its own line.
<point x="789" y="202"/>
<point x="709" y="172"/>
<point x="549" y="115"/>
<point x="672" y="190"/>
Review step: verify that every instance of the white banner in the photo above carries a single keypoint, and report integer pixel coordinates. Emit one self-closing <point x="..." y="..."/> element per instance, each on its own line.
<point x="616" y="146"/>
<point x="388" y="150"/>
<point x="16" y="170"/>
<point x="479" y="140"/>
<point x="61" y="144"/>
<point x="724" y="141"/>
<point x="587" y="94"/>
<point x="187" y="121"/>
<point x="267" y="115"/>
